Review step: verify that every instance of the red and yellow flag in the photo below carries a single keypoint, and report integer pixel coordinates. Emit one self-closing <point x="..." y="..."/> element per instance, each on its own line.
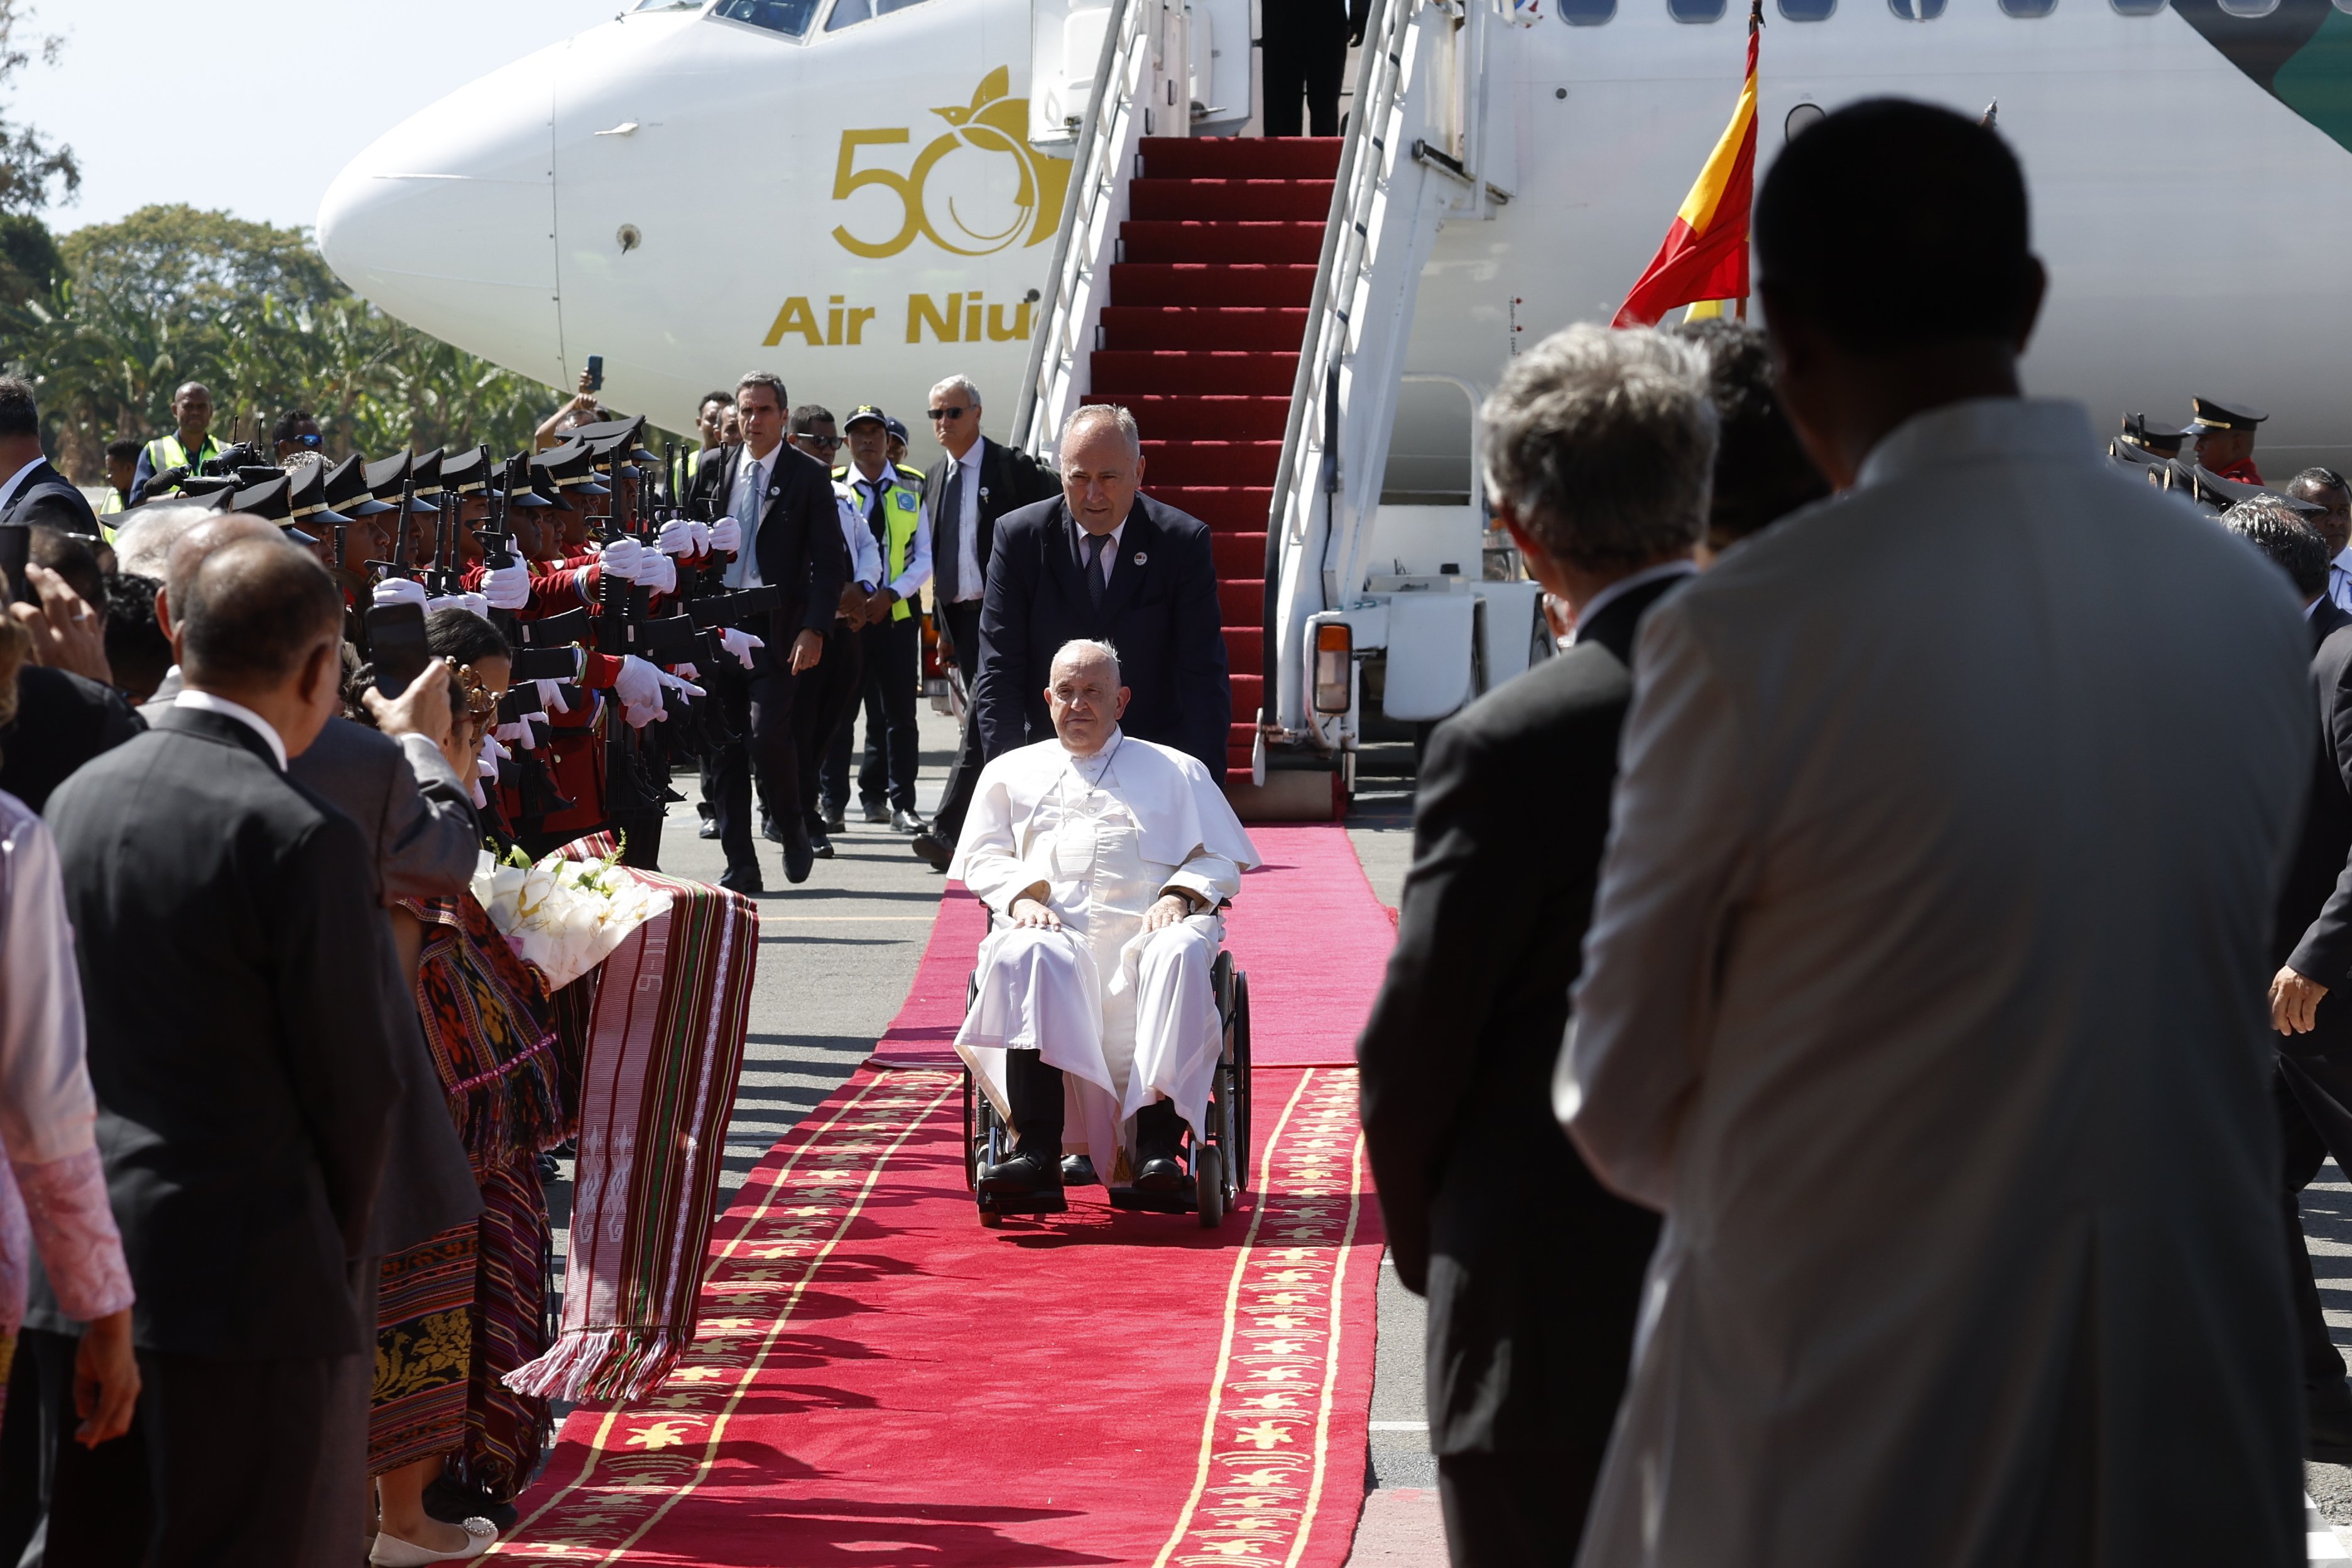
<point x="1705" y="256"/>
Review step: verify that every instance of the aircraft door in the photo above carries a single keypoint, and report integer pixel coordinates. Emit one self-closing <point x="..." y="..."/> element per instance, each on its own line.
<point x="1065" y="51"/>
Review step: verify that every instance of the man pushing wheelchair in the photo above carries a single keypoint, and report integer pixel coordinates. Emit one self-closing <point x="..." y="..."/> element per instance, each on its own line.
<point x="1095" y="1029"/>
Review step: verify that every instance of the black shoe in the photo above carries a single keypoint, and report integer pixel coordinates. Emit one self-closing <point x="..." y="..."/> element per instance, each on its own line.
<point x="707" y="830"/>
<point x="819" y="845"/>
<point x="1077" y="1171"/>
<point x="904" y="821"/>
<point x="799" y="856"/>
<point x="769" y="830"/>
<point x="834" y="821"/>
<point x="1161" y="1175"/>
<point x="743" y="879"/>
<point x="876" y="811"/>
<point x="1022" y="1173"/>
<point x="928" y="846"/>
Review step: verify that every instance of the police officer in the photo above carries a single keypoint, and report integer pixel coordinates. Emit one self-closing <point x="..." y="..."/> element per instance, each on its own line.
<point x="167" y="459"/>
<point x="2225" y="438"/>
<point x="891" y="509"/>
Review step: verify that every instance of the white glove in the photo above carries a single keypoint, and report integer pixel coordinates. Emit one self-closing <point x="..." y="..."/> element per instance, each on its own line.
<point x="739" y="643"/>
<point x="623" y="557"/>
<point x="639" y="685"/>
<point x="687" y="670"/>
<point x="550" y="695"/>
<point x="399" y="591"/>
<point x="507" y="588"/>
<point x="474" y="604"/>
<point x="678" y="537"/>
<point x="727" y="536"/>
<point x="486" y="764"/>
<point x="660" y="574"/>
<point x="516" y="734"/>
<point x="638" y="718"/>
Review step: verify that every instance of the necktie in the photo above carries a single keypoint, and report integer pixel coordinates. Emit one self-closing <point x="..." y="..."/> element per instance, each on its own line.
<point x="947" y="521"/>
<point x="873" y="514"/>
<point x="1096" y="544"/>
<point x="751" y="494"/>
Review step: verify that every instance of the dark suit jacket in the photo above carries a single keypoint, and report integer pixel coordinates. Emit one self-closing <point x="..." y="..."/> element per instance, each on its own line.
<point x="423" y="841"/>
<point x="1532" y="1270"/>
<point x="63" y="720"/>
<point x="232" y="963"/>
<point x="798" y="542"/>
<point x="1160" y="611"/>
<point x="47" y="497"/>
<point x="1009" y="480"/>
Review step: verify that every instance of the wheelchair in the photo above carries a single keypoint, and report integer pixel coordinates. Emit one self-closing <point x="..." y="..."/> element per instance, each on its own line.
<point x="1219" y="1163"/>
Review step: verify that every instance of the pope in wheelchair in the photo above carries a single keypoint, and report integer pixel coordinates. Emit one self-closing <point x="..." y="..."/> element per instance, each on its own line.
<point x="1105" y="861"/>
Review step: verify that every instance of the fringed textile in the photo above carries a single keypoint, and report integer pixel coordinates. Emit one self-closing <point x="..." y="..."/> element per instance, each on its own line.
<point x="658" y="1084"/>
<point x="424" y="1349"/>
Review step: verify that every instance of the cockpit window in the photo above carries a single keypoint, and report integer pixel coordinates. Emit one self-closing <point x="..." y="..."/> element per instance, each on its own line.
<point x="666" y="6"/>
<point x="849" y="13"/>
<point x="791" y="17"/>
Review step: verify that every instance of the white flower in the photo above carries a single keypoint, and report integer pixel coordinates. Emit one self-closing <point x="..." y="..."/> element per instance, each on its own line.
<point x="564" y="917"/>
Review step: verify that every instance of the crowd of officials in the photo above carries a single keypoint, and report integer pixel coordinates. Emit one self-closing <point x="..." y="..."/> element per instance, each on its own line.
<point x="1860" y="1020"/>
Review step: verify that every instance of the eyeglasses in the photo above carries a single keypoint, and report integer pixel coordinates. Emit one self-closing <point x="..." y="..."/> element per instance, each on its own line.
<point x="949" y="412"/>
<point x="312" y="440"/>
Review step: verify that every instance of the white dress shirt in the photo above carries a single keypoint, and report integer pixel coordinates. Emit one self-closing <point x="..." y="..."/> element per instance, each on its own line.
<point x="1109" y="553"/>
<point x="2339" y="578"/>
<point x="749" y="500"/>
<point x="211" y="702"/>
<point x="969" y="585"/>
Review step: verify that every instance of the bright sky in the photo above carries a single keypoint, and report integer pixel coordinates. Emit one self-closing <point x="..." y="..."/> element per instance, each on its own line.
<point x="256" y="105"/>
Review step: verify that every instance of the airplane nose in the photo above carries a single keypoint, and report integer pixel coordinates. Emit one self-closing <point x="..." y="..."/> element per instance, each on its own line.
<point x="445" y="221"/>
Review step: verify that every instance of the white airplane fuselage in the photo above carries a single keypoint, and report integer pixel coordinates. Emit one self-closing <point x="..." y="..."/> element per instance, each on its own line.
<point x="691" y="196"/>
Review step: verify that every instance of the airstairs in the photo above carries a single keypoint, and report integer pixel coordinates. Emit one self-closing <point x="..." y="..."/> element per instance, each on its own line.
<point x="1252" y="301"/>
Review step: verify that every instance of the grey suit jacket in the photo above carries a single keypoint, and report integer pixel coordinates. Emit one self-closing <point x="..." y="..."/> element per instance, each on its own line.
<point x="423" y="838"/>
<point x="1926" y="993"/>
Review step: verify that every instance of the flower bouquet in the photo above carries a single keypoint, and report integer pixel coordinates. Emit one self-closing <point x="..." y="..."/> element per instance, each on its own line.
<point x="564" y="917"/>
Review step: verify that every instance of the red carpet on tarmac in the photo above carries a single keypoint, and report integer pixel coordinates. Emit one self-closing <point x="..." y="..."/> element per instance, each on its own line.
<point x="880" y="1381"/>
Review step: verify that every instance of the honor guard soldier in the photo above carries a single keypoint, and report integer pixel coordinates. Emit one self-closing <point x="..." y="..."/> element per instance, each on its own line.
<point x="888" y="502"/>
<point x="2225" y="438"/>
<point x="2144" y="441"/>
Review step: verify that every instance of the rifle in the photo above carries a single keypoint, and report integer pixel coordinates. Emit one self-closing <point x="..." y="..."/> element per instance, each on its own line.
<point x="497" y="545"/>
<point x="404" y="543"/>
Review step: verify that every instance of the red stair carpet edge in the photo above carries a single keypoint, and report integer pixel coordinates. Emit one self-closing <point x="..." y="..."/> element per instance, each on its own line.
<point x="878" y="1374"/>
<point x="1307" y="928"/>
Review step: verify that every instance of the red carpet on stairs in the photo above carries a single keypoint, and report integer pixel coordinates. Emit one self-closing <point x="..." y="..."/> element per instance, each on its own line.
<point x="879" y="1381"/>
<point x="1208" y="308"/>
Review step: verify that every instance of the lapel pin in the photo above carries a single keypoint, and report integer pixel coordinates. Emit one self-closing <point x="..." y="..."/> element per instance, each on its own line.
<point x="1141" y="558"/>
<point x="983" y="492"/>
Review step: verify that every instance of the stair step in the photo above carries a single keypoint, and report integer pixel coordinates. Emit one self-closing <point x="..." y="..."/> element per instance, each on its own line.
<point x="1187" y="463"/>
<point x="1145" y="371"/>
<point x="1241" y="601"/>
<point x="1201" y="327"/>
<point x="1144" y="239"/>
<point x="1307" y="201"/>
<point x="1224" y="508"/>
<point x="1206" y="418"/>
<point x="1249" y="690"/>
<point x="1241" y="158"/>
<point x="1213" y="283"/>
<point x="1241" y="733"/>
<point x="1246" y="650"/>
<point x="1239" y="554"/>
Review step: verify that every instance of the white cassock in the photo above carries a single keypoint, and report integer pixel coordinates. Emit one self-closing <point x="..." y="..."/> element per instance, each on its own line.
<point x="1127" y="1016"/>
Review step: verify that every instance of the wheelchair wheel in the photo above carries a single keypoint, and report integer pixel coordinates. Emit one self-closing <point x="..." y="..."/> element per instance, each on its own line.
<point x="1238" y="1039"/>
<point x="1209" y="1185"/>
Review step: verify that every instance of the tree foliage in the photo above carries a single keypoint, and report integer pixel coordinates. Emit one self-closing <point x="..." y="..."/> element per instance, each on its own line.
<point x="170" y="294"/>
<point x="33" y="171"/>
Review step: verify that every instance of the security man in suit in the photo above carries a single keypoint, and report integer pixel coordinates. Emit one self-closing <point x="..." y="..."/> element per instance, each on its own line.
<point x="973" y="485"/>
<point x="31" y="491"/>
<point x="168" y="459"/>
<point x="2225" y="437"/>
<point x="891" y="510"/>
<point x="781" y="502"/>
<point x="1106" y="563"/>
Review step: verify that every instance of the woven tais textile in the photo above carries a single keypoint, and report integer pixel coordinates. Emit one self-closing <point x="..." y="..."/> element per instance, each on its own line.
<point x="665" y="1043"/>
<point x="424" y="1349"/>
<point x="507" y="1431"/>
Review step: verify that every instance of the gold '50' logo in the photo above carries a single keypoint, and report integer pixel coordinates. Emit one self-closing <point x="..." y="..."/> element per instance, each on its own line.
<point x="966" y="211"/>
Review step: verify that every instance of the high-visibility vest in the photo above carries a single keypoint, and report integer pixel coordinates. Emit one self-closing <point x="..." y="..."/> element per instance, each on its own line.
<point x="166" y="452"/>
<point x="902" y="514"/>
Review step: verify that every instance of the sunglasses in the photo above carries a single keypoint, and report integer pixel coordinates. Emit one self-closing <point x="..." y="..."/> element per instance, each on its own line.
<point x="949" y="412"/>
<point x="313" y="439"/>
<point x="827" y="442"/>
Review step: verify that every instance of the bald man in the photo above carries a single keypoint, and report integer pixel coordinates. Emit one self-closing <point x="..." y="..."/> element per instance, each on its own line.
<point x="235" y="965"/>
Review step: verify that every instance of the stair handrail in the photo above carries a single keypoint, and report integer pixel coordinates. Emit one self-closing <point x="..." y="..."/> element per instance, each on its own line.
<point x="1346" y="233"/>
<point x="1094" y="176"/>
